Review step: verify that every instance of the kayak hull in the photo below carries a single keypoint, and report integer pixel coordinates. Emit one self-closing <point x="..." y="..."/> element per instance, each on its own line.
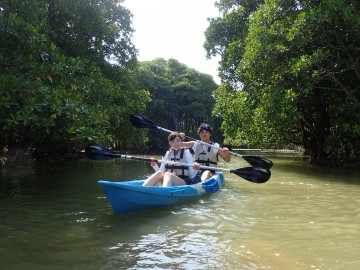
<point x="131" y="196"/>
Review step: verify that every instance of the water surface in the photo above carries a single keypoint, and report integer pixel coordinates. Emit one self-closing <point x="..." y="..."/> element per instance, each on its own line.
<point x="304" y="217"/>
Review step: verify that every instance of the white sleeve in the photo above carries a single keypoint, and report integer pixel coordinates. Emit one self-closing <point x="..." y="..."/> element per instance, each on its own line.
<point x="156" y="168"/>
<point x="189" y="159"/>
<point x="162" y="166"/>
<point x="215" y="149"/>
<point x="194" y="145"/>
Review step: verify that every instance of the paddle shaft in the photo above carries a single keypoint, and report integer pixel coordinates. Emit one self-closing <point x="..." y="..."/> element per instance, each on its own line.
<point x="164" y="161"/>
<point x="198" y="141"/>
<point x="252" y="174"/>
<point x="255" y="175"/>
<point x="255" y="161"/>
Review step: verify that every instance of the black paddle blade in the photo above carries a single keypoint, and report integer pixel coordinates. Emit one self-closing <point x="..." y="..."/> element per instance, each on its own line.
<point x="97" y="152"/>
<point x="253" y="174"/>
<point x="141" y="122"/>
<point x="258" y="162"/>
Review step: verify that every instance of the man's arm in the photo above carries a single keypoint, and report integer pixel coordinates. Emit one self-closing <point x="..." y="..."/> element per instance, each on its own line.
<point x="224" y="154"/>
<point x="189" y="144"/>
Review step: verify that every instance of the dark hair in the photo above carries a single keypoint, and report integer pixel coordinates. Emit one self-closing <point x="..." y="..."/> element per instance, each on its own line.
<point x="204" y="126"/>
<point x="173" y="135"/>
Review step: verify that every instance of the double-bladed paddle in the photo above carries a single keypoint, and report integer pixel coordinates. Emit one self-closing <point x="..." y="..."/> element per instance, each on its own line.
<point x="252" y="174"/>
<point x="141" y="122"/>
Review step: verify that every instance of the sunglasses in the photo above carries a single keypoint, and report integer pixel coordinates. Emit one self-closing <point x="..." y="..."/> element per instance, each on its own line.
<point x="207" y="128"/>
<point x="176" y="140"/>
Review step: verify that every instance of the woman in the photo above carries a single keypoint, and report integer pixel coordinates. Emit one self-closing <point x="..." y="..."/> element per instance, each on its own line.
<point x="171" y="174"/>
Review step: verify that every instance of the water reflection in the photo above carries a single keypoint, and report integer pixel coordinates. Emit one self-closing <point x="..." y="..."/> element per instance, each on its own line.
<point x="303" y="218"/>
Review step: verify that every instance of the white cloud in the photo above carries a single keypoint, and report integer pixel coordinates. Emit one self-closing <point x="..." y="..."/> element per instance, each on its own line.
<point x="173" y="29"/>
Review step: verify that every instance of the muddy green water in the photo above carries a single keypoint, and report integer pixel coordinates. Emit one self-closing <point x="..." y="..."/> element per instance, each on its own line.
<point x="304" y="217"/>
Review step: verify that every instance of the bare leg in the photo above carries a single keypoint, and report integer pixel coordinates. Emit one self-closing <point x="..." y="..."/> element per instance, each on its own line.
<point x="154" y="179"/>
<point x="172" y="180"/>
<point x="205" y="175"/>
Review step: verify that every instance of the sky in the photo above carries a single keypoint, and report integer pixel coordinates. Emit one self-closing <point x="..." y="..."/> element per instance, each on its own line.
<point x="173" y="29"/>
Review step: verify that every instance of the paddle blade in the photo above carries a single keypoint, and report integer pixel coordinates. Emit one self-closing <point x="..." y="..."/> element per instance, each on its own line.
<point x="253" y="174"/>
<point x="97" y="152"/>
<point x="258" y="162"/>
<point x="141" y="122"/>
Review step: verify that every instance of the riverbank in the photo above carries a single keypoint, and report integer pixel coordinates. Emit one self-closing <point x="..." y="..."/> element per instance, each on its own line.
<point x="267" y="151"/>
<point x="22" y="157"/>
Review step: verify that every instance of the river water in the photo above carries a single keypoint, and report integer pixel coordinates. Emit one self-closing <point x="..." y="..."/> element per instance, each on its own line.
<point x="304" y="217"/>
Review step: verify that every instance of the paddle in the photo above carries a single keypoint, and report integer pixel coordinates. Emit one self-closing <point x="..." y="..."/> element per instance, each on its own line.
<point x="252" y="174"/>
<point x="141" y="122"/>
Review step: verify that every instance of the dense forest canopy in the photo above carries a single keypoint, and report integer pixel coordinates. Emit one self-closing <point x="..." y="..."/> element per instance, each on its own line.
<point x="59" y="90"/>
<point x="290" y="71"/>
<point x="181" y="98"/>
<point x="70" y="77"/>
<point x="291" y="75"/>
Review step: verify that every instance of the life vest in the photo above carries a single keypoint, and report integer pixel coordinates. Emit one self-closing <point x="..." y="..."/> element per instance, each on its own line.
<point x="204" y="155"/>
<point x="180" y="171"/>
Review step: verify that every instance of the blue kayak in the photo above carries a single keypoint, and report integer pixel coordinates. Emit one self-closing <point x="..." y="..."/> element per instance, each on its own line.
<point x="131" y="196"/>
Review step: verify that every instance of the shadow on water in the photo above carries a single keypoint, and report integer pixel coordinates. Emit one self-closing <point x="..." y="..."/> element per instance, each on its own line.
<point x="298" y="165"/>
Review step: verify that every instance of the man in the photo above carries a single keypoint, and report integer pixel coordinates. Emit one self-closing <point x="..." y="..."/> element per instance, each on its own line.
<point x="205" y="154"/>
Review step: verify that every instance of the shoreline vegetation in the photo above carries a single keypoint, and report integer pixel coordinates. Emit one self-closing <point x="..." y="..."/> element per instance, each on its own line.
<point x="22" y="156"/>
<point x="259" y="150"/>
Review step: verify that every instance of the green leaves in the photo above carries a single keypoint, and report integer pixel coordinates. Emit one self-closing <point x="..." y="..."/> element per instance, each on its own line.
<point x="57" y="88"/>
<point x="181" y="97"/>
<point x="298" y="63"/>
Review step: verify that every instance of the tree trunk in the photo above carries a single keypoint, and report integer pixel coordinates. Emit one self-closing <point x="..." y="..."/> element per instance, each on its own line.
<point x="315" y="129"/>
